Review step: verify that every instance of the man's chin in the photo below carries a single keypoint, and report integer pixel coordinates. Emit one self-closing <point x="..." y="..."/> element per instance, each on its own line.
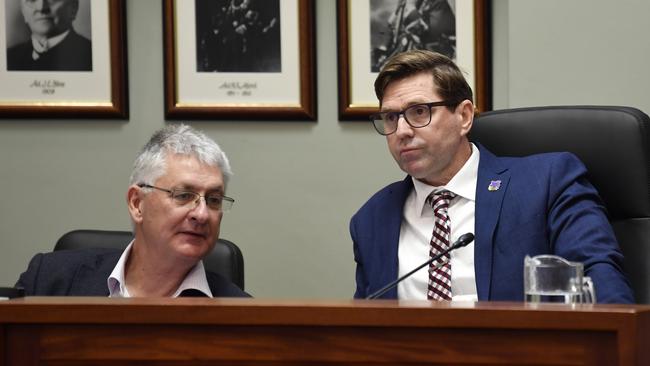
<point x="192" y="251"/>
<point x="413" y="168"/>
<point x="43" y="28"/>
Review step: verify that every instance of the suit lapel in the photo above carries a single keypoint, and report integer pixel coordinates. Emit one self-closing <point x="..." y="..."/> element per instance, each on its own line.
<point x="491" y="185"/>
<point x="91" y="277"/>
<point x="390" y="230"/>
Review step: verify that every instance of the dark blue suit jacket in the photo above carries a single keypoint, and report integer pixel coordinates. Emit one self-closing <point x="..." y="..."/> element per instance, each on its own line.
<point x="544" y="205"/>
<point x="84" y="272"/>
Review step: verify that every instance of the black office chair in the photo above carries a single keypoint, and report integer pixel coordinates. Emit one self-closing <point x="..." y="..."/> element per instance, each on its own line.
<point x="225" y="259"/>
<point x="613" y="143"/>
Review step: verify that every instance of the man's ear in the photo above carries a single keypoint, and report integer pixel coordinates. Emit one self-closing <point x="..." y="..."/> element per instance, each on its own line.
<point x="134" y="201"/>
<point x="466" y="110"/>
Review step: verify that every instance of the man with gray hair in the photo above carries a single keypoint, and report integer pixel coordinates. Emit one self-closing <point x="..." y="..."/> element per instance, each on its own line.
<point x="176" y="200"/>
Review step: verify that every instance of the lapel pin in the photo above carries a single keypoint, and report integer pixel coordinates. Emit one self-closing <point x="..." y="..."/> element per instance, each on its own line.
<point x="494" y="185"/>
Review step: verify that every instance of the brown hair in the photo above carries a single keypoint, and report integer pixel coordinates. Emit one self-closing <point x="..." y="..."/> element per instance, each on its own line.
<point x="447" y="77"/>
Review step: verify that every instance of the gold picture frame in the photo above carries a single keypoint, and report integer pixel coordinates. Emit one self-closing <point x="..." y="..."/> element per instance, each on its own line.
<point x="356" y="96"/>
<point x="98" y="91"/>
<point x="205" y="77"/>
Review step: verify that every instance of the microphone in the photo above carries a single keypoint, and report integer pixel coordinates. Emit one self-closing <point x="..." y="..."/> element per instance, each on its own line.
<point x="461" y="242"/>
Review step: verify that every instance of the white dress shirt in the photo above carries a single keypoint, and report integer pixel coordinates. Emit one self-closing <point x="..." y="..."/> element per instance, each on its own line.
<point x="417" y="228"/>
<point x="195" y="279"/>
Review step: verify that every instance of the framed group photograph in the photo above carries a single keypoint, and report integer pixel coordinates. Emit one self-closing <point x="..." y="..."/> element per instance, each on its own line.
<point x="63" y="59"/>
<point x="240" y="59"/>
<point x="371" y="31"/>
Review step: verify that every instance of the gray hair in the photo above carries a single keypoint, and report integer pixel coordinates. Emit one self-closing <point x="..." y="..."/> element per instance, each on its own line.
<point x="177" y="139"/>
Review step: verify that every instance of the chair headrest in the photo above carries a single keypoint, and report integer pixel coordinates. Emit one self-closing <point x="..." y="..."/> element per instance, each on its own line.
<point x="612" y="142"/>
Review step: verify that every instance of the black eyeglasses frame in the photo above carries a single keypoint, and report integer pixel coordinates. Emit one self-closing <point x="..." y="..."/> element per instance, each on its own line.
<point x="375" y="117"/>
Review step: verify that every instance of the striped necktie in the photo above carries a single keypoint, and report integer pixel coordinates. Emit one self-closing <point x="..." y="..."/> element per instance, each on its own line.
<point x="439" y="273"/>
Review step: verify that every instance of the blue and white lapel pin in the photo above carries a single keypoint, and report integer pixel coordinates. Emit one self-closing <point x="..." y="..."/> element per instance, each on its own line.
<point x="494" y="185"/>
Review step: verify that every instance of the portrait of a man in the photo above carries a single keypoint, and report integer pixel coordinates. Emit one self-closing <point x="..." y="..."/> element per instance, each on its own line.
<point x="53" y="43"/>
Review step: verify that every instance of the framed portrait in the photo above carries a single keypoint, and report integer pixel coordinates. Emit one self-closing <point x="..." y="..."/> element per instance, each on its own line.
<point x="382" y="28"/>
<point x="63" y="59"/>
<point x="240" y="59"/>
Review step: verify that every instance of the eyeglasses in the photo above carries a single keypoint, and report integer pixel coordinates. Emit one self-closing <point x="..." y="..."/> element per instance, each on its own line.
<point x="417" y="116"/>
<point x="214" y="201"/>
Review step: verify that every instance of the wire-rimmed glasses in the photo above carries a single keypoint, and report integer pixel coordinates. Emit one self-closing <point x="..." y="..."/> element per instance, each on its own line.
<point x="183" y="198"/>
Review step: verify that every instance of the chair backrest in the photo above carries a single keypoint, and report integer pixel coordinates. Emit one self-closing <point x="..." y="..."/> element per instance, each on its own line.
<point x="612" y="142"/>
<point x="225" y="259"/>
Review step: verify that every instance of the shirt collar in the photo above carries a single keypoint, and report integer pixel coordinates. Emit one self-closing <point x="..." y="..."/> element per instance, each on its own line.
<point x="116" y="279"/>
<point x="41" y="47"/>
<point x="196" y="279"/>
<point x="463" y="184"/>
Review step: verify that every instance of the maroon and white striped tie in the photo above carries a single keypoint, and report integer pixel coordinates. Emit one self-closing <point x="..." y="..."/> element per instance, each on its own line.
<point x="440" y="278"/>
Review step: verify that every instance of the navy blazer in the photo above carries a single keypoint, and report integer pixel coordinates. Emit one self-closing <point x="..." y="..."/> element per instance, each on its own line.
<point x="544" y="205"/>
<point x="84" y="272"/>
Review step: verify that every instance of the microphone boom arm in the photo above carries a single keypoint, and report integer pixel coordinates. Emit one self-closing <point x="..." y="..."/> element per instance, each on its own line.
<point x="461" y="242"/>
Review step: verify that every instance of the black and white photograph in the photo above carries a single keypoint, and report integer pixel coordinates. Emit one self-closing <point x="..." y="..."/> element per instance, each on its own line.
<point x="398" y="26"/>
<point x="48" y="35"/>
<point x="238" y="36"/>
<point x="239" y="59"/>
<point x="63" y="58"/>
<point x="372" y="31"/>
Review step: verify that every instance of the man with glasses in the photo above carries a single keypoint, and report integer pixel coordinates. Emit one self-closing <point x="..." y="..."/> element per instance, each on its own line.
<point x="176" y="200"/>
<point x="540" y="204"/>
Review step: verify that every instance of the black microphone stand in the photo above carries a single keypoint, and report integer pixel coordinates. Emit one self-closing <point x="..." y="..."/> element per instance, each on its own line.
<point x="461" y="242"/>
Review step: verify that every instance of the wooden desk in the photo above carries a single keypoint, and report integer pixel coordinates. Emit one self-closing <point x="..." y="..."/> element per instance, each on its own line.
<point x="193" y="331"/>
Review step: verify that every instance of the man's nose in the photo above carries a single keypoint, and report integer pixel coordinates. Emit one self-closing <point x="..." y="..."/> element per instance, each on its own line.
<point x="403" y="127"/>
<point x="200" y="212"/>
